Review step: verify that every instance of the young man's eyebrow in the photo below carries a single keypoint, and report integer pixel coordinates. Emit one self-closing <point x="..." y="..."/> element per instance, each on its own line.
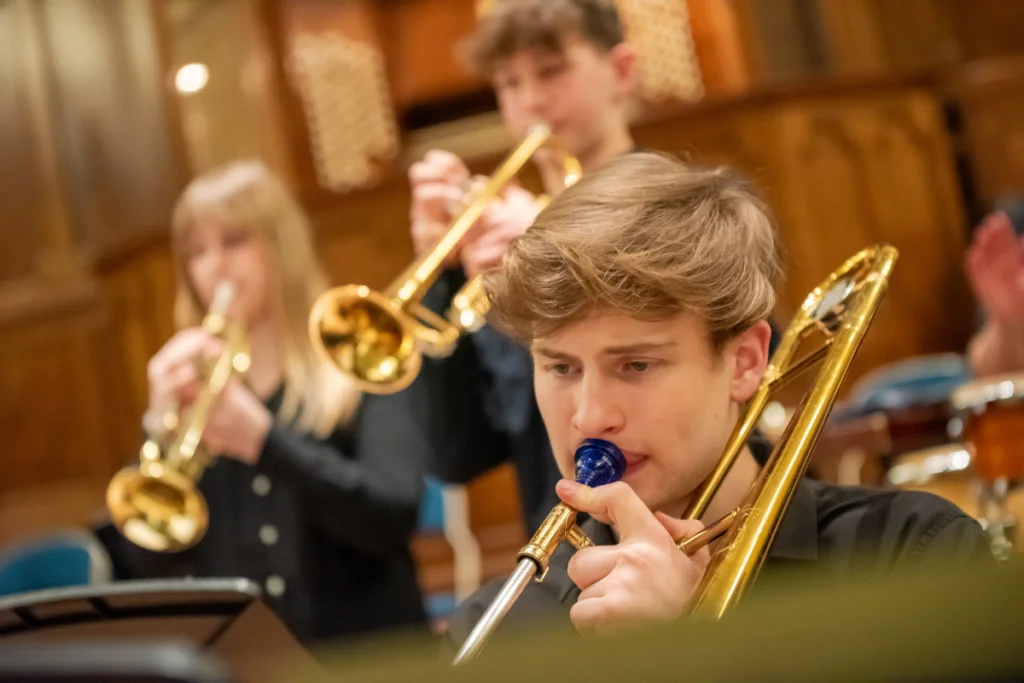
<point x="619" y="350"/>
<point x="639" y="347"/>
<point x="552" y="353"/>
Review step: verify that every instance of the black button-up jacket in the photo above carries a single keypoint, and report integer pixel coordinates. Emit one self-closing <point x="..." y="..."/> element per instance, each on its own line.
<point x="323" y="526"/>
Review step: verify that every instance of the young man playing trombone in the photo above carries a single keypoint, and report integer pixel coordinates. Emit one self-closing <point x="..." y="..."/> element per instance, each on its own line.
<point x="643" y="293"/>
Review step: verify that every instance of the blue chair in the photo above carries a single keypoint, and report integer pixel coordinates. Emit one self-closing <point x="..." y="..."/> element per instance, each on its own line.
<point x="445" y="511"/>
<point x="922" y="380"/>
<point x="431" y="520"/>
<point x="71" y="558"/>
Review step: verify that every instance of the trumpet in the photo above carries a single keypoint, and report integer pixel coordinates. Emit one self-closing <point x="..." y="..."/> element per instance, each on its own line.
<point x="379" y="338"/>
<point x="156" y="504"/>
<point x="470" y="305"/>
<point x="840" y="311"/>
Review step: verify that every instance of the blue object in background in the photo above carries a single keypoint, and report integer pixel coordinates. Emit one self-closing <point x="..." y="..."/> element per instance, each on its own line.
<point x="73" y="558"/>
<point x="917" y="381"/>
<point x="431" y="519"/>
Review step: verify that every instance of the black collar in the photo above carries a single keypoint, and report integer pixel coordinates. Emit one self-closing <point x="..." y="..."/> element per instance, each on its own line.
<point x="797" y="537"/>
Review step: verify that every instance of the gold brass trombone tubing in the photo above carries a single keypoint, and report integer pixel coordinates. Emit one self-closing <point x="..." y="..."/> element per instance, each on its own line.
<point x="742" y="552"/>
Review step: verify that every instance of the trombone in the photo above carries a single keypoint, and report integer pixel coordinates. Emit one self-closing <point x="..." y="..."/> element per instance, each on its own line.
<point x="379" y="338"/>
<point x="840" y="310"/>
<point x="156" y="504"/>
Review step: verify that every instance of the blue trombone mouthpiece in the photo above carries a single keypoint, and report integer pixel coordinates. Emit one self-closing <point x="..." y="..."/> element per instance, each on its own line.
<point x="599" y="462"/>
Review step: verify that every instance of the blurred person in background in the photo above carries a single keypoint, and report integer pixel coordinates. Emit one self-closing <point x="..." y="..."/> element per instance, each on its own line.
<point x="569" y="65"/>
<point x="995" y="270"/>
<point x="315" y="490"/>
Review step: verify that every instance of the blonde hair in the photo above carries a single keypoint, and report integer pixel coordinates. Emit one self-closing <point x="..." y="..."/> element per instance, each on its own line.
<point x="648" y="236"/>
<point x="316" y="399"/>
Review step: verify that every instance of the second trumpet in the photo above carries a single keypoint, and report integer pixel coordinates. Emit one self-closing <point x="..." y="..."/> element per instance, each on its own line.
<point x="379" y="338"/>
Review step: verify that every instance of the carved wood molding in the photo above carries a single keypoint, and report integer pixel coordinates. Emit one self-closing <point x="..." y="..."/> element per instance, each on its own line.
<point x="113" y="254"/>
<point x="26" y="302"/>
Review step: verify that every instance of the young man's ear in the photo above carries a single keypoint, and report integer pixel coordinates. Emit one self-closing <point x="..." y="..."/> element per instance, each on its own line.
<point x="623" y="59"/>
<point x="749" y="350"/>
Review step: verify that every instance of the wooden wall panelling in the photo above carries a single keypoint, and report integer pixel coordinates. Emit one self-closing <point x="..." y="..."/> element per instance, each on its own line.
<point x="116" y="143"/>
<point x="791" y="39"/>
<point x="784" y="39"/>
<point x="884" y="36"/>
<point x="856" y="42"/>
<point x="711" y="136"/>
<point x="495" y="515"/>
<point x="236" y="115"/>
<point x="273" y="18"/>
<point x="876" y="168"/>
<point x="918" y="34"/>
<point x="51" y="414"/>
<point x="35" y="219"/>
<point x="988" y="28"/>
<point x="990" y="98"/>
<point x="421" y="41"/>
<point x="140" y="297"/>
<point x="720" y="47"/>
<point x="365" y="238"/>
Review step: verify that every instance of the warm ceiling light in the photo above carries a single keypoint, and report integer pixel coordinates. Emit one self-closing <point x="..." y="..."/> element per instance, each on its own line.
<point x="191" y="78"/>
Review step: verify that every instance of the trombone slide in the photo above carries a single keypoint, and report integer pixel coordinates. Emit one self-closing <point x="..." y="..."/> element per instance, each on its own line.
<point x="598" y="462"/>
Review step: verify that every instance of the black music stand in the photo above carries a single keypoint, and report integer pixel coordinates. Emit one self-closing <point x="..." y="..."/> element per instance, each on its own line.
<point x="224" y="618"/>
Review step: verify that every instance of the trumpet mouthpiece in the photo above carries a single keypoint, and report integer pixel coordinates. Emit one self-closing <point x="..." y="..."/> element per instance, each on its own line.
<point x="223" y="296"/>
<point x="599" y="462"/>
<point x="539" y="128"/>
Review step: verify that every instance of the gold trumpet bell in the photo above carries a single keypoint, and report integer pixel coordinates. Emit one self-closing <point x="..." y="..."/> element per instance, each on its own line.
<point x="379" y="338"/>
<point x="361" y="332"/>
<point x="157" y="508"/>
<point x="157" y="505"/>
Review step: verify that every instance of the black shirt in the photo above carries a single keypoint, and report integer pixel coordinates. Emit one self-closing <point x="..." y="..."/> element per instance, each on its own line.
<point x="835" y="532"/>
<point x="323" y="526"/>
<point x="481" y="412"/>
